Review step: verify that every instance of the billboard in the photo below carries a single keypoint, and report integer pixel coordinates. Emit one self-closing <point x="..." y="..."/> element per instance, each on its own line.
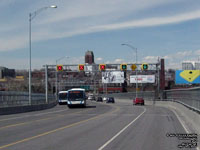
<point x="113" y="77"/>
<point x="187" y="77"/>
<point x="142" y="79"/>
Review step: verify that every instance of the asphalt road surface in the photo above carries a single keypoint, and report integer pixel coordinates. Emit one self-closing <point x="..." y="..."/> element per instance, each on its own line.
<point x="99" y="126"/>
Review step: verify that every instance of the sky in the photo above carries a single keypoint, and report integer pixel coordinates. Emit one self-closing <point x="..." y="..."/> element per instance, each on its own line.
<point x="168" y="29"/>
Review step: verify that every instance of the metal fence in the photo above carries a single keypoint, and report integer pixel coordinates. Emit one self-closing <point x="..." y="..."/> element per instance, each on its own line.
<point x="9" y="99"/>
<point x="188" y="97"/>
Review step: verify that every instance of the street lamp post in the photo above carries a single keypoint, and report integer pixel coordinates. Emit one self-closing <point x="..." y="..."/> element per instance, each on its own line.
<point x="57" y="75"/>
<point x="31" y="17"/>
<point x="134" y="49"/>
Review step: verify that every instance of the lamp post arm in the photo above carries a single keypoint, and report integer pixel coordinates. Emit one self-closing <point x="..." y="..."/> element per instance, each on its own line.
<point x="136" y="72"/>
<point x="61" y="58"/>
<point x="32" y="15"/>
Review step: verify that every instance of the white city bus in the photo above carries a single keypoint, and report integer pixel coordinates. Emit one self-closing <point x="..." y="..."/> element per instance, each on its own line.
<point x="62" y="97"/>
<point x="76" y="97"/>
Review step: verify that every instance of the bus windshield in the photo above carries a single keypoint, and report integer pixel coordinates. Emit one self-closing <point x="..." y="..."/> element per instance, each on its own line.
<point x="62" y="95"/>
<point x="76" y="95"/>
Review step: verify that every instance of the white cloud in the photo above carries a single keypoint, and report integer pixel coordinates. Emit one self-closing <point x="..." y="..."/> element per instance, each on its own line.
<point x="150" y="59"/>
<point x="154" y="21"/>
<point x="197" y="52"/>
<point x="118" y="60"/>
<point x="184" y="53"/>
<point x="99" y="59"/>
<point x="13" y="43"/>
<point x="174" y="60"/>
<point x="83" y="17"/>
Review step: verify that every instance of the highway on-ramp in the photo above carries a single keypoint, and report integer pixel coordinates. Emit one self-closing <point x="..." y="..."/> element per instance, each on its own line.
<point x="99" y="126"/>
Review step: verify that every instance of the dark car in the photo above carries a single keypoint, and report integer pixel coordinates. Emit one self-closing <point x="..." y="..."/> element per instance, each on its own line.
<point x="99" y="99"/>
<point x="138" y="100"/>
<point x="110" y="100"/>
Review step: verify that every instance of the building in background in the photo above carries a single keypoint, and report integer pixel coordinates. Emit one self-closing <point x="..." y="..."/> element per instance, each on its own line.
<point x="89" y="57"/>
<point x="5" y="72"/>
<point x="187" y="65"/>
<point x="191" y="65"/>
<point x="197" y="65"/>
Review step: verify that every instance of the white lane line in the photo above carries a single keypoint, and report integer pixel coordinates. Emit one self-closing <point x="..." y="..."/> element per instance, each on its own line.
<point x="33" y="115"/>
<point x="183" y="125"/>
<point x="114" y="137"/>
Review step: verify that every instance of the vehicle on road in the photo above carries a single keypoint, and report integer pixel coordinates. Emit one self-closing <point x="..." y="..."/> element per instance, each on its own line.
<point x="99" y="99"/>
<point x="110" y="100"/>
<point x="91" y="97"/>
<point x="62" y="97"/>
<point x="138" y="100"/>
<point x="76" y="97"/>
<point x="105" y="99"/>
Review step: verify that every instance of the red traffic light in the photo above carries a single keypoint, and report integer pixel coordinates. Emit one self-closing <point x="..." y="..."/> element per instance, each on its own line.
<point x="102" y="67"/>
<point x="59" y="67"/>
<point x="81" y="67"/>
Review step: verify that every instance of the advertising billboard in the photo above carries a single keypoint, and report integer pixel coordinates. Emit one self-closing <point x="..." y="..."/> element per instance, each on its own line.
<point x="142" y="79"/>
<point x="113" y="77"/>
<point x="187" y="77"/>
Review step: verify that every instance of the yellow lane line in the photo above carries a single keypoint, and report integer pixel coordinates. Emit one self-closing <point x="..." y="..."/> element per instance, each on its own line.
<point x="58" y="129"/>
<point x="37" y="114"/>
<point x="24" y="123"/>
<point x="29" y="122"/>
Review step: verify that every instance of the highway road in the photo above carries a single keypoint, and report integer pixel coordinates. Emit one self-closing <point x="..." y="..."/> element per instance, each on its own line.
<point x="100" y="126"/>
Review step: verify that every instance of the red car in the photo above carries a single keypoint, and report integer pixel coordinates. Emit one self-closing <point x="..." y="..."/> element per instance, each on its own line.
<point x="138" y="100"/>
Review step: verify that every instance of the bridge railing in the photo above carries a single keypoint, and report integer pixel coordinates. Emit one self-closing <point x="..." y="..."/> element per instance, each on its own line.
<point x="12" y="98"/>
<point x="188" y="97"/>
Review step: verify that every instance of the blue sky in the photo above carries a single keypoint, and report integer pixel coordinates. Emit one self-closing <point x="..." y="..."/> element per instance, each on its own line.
<point x="168" y="29"/>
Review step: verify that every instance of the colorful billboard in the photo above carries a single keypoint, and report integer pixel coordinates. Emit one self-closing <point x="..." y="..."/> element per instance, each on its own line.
<point x="113" y="77"/>
<point x="142" y="79"/>
<point x="187" y="77"/>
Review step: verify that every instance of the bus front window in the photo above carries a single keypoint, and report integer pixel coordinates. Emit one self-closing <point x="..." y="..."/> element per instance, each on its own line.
<point x="76" y="95"/>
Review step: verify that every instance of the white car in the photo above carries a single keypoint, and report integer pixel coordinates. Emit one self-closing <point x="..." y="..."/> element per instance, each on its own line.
<point x="91" y="97"/>
<point x="105" y="99"/>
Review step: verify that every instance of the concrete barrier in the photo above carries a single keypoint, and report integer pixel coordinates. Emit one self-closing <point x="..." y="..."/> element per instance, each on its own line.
<point x="22" y="109"/>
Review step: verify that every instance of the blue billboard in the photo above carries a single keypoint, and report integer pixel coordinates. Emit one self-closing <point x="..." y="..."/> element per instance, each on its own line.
<point x="187" y="77"/>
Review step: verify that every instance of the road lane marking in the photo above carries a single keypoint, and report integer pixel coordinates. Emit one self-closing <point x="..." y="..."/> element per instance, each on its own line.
<point x="37" y="114"/>
<point x="46" y="133"/>
<point x="29" y="122"/>
<point x="114" y="137"/>
<point x="58" y="129"/>
<point x="183" y="125"/>
<point x="24" y="123"/>
<point x="33" y="115"/>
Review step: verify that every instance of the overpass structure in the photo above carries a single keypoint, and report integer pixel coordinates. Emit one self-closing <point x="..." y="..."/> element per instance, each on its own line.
<point x="95" y="73"/>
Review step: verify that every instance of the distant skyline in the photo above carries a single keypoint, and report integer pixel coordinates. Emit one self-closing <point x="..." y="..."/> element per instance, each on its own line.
<point x="158" y="29"/>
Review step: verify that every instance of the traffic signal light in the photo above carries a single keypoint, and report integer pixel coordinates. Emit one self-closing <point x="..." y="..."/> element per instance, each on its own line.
<point x="133" y="67"/>
<point x="144" y="66"/>
<point x="59" y="67"/>
<point x="123" y="66"/>
<point x="81" y="67"/>
<point x="102" y="67"/>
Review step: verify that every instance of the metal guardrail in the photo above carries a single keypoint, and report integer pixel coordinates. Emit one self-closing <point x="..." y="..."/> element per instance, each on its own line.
<point x="12" y="98"/>
<point x="188" y="97"/>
